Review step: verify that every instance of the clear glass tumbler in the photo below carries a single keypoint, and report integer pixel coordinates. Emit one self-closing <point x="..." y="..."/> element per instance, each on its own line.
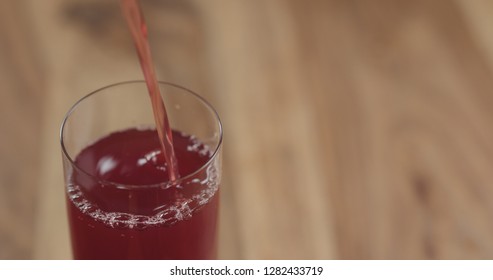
<point x="122" y="219"/>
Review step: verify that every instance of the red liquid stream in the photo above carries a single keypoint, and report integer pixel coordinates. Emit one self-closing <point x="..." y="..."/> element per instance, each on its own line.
<point x="143" y="222"/>
<point x="136" y="23"/>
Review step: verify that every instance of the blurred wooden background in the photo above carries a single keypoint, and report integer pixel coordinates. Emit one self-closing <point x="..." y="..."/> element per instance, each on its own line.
<point x="353" y="129"/>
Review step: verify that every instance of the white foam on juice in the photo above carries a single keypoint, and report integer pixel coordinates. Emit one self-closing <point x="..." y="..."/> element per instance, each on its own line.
<point x="198" y="146"/>
<point x="149" y="157"/>
<point x="168" y="214"/>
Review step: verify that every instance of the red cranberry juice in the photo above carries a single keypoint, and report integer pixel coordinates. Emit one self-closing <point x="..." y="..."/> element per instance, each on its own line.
<point x="119" y="208"/>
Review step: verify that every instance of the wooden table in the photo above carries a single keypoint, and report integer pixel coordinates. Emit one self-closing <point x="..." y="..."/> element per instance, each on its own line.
<point x="353" y="129"/>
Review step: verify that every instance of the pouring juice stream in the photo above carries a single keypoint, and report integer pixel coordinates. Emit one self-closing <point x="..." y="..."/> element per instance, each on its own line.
<point x="138" y="28"/>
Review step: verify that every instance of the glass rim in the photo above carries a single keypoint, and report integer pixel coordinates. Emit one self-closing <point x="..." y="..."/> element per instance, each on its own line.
<point x="164" y="184"/>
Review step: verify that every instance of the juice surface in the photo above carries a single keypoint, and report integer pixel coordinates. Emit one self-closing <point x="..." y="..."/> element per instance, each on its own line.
<point x="120" y="208"/>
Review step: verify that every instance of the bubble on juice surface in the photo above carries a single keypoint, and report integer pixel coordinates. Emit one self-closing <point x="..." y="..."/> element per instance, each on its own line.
<point x="150" y="157"/>
<point x="198" y="146"/>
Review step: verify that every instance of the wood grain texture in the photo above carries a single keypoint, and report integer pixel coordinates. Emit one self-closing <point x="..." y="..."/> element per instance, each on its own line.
<point x="353" y="129"/>
<point x="20" y="118"/>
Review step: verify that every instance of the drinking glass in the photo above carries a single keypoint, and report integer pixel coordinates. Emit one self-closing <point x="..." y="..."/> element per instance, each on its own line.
<point x="166" y="220"/>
